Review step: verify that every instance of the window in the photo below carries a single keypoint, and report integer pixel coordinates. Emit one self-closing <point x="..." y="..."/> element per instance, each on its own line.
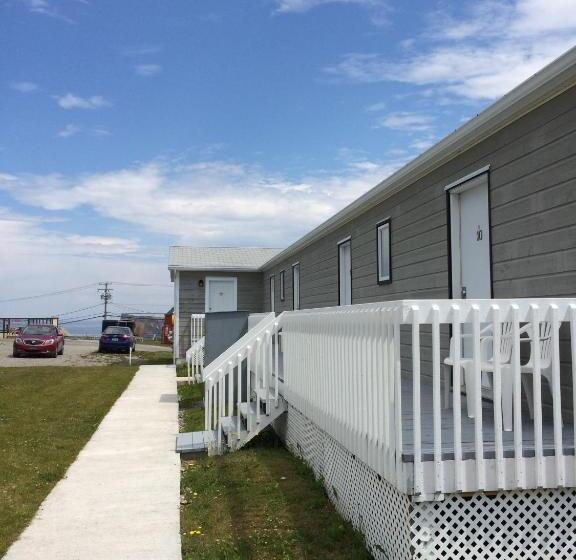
<point x="345" y="272"/>
<point x="296" y="286"/>
<point x="272" y="293"/>
<point x="383" y="250"/>
<point x="282" y="286"/>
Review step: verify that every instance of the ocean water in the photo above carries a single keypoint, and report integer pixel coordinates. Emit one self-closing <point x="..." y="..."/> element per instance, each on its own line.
<point x="84" y="328"/>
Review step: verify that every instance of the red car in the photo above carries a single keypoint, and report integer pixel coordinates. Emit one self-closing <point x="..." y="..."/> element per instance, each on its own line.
<point x="39" y="340"/>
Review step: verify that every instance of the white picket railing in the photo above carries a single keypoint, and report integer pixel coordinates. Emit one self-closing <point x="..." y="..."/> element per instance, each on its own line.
<point x="371" y="377"/>
<point x="256" y="353"/>
<point x="195" y="354"/>
<point x="195" y="360"/>
<point x="197" y="321"/>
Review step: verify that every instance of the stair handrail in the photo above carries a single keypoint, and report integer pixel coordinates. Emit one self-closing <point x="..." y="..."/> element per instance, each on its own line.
<point x="239" y="346"/>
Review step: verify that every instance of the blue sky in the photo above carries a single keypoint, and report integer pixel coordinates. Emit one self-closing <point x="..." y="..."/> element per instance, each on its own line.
<point x="129" y="126"/>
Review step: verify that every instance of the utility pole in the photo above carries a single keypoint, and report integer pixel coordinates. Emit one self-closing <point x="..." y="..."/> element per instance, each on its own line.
<point x="105" y="296"/>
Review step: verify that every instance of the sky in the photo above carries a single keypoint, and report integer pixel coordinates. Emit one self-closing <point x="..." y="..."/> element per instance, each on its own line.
<point x="127" y="127"/>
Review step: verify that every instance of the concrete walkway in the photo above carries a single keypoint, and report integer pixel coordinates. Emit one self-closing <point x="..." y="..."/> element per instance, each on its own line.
<point x="120" y="499"/>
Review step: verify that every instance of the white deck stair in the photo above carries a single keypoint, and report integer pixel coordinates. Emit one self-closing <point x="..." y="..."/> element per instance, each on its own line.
<point x="241" y="392"/>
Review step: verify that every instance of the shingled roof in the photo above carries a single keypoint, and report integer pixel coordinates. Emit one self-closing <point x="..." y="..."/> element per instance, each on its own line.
<point x="219" y="258"/>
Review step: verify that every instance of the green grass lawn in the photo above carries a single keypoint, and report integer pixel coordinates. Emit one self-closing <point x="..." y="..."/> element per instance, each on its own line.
<point x="155" y="358"/>
<point x="47" y="415"/>
<point x="191" y="413"/>
<point x="260" y="502"/>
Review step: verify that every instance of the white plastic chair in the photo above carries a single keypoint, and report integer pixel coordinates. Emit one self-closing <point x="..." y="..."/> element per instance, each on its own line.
<point x="487" y="366"/>
<point x="486" y="362"/>
<point x="527" y="370"/>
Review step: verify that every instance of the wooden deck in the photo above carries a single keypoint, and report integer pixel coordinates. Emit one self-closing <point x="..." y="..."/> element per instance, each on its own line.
<point x="468" y="443"/>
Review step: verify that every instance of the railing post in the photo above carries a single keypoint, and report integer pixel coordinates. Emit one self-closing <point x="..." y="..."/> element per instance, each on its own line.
<point x="437" y="401"/>
<point x="517" y="386"/>
<point x="417" y="427"/>
<point x="537" y="391"/>
<point x="398" y="401"/>
<point x="239" y="395"/>
<point x="276" y="363"/>
<point x="249" y="418"/>
<point x="257" y="378"/>
<point x="456" y="396"/>
<point x="497" y="395"/>
<point x="572" y="317"/>
<point x="230" y="380"/>
<point x="556" y="397"/>
<point x="477" y="392"/>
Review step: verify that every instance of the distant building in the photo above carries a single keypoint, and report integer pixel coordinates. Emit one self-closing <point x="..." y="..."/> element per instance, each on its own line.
<point x="147" y="326"/>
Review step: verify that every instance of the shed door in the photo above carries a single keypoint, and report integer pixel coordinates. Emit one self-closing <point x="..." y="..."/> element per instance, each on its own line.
<point x="221" y="294"/>
<point x="470" y="239"/>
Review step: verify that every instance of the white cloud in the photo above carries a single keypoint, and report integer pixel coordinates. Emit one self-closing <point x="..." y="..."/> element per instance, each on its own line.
<point x="72" y="130"/>
<point x="147" y="70"/>
<point x="31" y="249"/>
<point x="422" y="144"/>
<point x="479" y="56"/>
<point x="68" y="130"/>
<point x="103" y="245"/>
<point x="24" y="87"/>
<point x="100" y="131"/>
<point x="205" y="203"/>
<point x="404" y="120"/>
<point x="71" y="101"/>
<point x="377" y="107"/>
<point x="378" y="8"/>
<point x="141" y="50"/>
<point x="46" y="8"/>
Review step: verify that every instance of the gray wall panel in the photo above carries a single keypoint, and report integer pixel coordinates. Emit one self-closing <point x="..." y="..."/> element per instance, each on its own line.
<point x="192" y="298"/>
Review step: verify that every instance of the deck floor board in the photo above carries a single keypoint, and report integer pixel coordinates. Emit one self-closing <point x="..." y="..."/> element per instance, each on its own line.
<point x="468" y="441"/>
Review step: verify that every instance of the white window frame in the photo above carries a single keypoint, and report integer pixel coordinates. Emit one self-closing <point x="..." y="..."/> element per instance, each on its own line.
<point x="272" y="293"/>
<point x="296" y="286"/>
<point x="219" y="278"/>
<point x="341" y="244"/>
<point x="282" y="285"/>
<point x="383" y="225"/>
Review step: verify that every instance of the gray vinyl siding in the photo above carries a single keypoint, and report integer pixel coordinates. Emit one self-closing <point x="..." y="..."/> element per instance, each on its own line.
<point x="533" y="222"/>
<point x="533" y="227"/>
<point x="192" y="297"/>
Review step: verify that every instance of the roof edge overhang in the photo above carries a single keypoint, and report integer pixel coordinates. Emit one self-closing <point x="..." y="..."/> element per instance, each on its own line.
<point x="551" y="81"/>
<point x="213" y="269"/>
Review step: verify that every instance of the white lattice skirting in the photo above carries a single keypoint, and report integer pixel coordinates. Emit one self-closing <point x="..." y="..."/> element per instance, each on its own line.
<point x="511" y="525"/>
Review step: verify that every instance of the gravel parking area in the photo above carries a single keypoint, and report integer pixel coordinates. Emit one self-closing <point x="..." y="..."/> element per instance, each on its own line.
<point x="76" y="353"/>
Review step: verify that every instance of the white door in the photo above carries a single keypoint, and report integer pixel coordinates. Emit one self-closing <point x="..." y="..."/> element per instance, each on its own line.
<point x="345" y="272"/>
<point x="296" y="286"/>
<point x="470" y="248"/>
<point x="221" y="294"/>
<point x="470" y="239"/>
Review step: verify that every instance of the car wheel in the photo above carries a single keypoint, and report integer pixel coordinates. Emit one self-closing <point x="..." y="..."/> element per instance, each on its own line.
<point x="16" y="354"/>
<point x="54" y="354"/>
<point x="61" y="353"/>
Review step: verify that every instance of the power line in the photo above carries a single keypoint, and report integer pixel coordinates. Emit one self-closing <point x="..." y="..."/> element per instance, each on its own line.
<point x="143" y="285"/>
<point x="49" y="294"/>
<point x="80" y="320"/>
<point x="78" y="310"/>
<point x="131" y="309"/>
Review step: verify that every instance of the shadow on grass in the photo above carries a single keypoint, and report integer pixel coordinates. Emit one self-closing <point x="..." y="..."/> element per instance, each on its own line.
<point x="262" y="502"/>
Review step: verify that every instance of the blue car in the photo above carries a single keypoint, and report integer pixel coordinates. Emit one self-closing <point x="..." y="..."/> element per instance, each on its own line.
<point x="117" y="339"/>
